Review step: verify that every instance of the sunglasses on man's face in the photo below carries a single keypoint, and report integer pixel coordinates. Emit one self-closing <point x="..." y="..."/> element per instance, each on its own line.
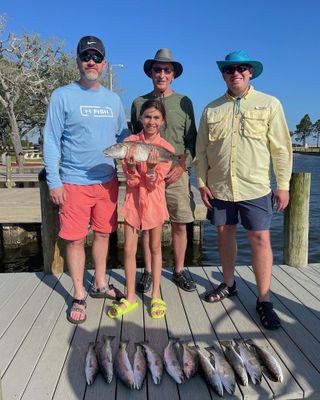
<point x="86" y="57"/>
<point x="166" y="70"/>
<point x="233" y="68"/>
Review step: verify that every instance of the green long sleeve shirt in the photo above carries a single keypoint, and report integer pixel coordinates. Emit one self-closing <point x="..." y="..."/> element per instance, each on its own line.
<point x="179" y="129"/>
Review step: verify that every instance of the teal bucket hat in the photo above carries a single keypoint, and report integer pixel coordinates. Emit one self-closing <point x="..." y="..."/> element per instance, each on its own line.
<point x="241" y="57"/>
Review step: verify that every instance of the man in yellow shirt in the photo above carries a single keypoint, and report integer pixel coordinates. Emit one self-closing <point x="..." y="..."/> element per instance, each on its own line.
<point x="239" y="134"/>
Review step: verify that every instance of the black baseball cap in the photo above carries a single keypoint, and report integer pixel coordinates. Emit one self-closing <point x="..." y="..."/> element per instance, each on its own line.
<point x="90" y="43"/>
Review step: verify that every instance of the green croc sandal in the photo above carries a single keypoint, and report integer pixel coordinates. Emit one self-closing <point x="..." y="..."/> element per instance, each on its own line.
<point x="157" y="305"/>
<point x="116" y="311"/>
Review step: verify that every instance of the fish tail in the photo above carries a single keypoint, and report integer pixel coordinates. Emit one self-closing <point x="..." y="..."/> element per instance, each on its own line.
<point x="227" y="343"/>
<point x="173" y="339"/>
<point x="106" y="337"/>
<point x="125" y="342"/>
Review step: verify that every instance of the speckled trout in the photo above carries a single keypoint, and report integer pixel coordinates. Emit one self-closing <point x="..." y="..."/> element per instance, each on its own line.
<point x="235" y="361"/>
<point x="154" y="362"/>
<point x="268" y="360"/>
<point x="123" y="367"/>
<point x="139" y="366"/>
<point x="91" y="365"/>
<point x="104" y="356"/>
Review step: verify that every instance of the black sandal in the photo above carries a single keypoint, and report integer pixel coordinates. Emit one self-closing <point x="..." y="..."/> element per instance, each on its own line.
<point x="75" y="307"/>
<point x="268" y="316"/>
<point x="103" y="293"/>
<point x="184" y="281"/>
<point x="144" y="284"/>
<point x="220" y="293"/>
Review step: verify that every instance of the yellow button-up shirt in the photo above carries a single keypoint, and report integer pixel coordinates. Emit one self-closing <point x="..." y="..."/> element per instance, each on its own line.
<point x="235" y="143"/>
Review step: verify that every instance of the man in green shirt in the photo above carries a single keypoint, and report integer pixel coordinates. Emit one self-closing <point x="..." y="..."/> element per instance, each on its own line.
<point x="180" y="131"/>
<point x="239" y="134"/>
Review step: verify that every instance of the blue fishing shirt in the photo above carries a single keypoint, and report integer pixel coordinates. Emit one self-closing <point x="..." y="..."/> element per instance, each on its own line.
<point x="80" y="124"/>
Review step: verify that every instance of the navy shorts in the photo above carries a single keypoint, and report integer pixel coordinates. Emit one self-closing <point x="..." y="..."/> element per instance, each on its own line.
<point x="255" y="215"/>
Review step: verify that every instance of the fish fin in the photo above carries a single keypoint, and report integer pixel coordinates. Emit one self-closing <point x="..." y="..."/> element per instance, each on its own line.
<point x="106" y="337"/>
<point x="143" y="342"/>
<point x="187" y="342"/>
<point x="211" y="349"/>
<point x="173" y="339"/>
<point x="250" y="344"/>
<point x="227" y="343"/>
<point x="126" y="342"/>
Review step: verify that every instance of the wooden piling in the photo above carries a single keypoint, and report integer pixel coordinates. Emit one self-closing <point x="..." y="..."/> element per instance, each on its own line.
<point x="296" y="221"/>
<point x="20" y="163"/>
<point x="9" y="182"/>
<point x="52" y="246"/>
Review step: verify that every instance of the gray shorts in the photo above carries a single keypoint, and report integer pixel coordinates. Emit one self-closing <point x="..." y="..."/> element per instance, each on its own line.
<point x="180" y="201"/>
<point x="255" y="215"/>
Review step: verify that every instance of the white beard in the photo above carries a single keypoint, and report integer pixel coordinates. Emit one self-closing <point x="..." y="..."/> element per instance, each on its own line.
<point x="91" y="75"/>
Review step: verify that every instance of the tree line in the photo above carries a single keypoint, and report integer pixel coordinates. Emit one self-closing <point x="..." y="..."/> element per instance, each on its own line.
<point x="30" y="69"/>
<point x="306" y="128"/>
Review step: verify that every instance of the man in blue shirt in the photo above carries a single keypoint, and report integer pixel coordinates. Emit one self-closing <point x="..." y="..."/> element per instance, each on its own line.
<point x="83" y="119"/>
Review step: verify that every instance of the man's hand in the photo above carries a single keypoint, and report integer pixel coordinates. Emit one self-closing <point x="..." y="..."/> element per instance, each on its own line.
<point x="206" y="194"/>
<point x="281" y="199"/>
<point x="58" y="196"/>
<point x="175" y="172"/>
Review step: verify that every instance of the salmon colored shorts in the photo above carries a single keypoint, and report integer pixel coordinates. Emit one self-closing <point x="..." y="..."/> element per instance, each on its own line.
<point x="94" y="205"/>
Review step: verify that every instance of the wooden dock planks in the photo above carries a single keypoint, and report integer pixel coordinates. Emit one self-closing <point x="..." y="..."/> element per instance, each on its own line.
<point x="20" y="206"/>
<point x="42" y="354"/>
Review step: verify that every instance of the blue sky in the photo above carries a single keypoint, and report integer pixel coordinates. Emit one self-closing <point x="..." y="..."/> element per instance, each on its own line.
<point x="283" y="35"/>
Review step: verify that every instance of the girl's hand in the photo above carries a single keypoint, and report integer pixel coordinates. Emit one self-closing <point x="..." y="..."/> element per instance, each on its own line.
<point x="129" y="159"/>
<point x="152" y="160"/>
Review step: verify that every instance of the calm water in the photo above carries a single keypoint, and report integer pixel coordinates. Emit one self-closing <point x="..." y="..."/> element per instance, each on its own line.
<point x="29" y="258"/>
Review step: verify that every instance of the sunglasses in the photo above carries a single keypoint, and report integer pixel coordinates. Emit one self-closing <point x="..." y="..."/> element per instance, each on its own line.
<point x="166" y="70"/>
<point x="233" y="68"/>
<point x="86" y="57"/>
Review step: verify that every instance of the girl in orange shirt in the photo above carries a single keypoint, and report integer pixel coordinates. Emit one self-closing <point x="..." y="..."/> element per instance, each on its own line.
<point x="145" y="208"/>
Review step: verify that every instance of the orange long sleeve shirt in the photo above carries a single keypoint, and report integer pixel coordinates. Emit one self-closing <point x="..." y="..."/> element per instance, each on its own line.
<point x="145" y="203"/>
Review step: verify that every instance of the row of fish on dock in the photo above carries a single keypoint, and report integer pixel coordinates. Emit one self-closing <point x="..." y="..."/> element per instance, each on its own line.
<point x="242" y="358"/>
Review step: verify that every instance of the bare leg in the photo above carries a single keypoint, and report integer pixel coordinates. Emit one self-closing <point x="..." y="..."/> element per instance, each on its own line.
<point x="179" y="239"/>
<point x="228" y="251"/>
<point x="100" y="248"/>
<point x="156" y="253"/>
<point x="262" y="260"/>
<point x="146" y="250"/>
<point x="156" y="256"/>
<point x="130" y="250"/>
<point x="76" y="261"/>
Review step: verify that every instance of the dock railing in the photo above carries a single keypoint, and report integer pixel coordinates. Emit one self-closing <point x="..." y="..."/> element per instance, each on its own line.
<point x="296" y="226"/>
<point x="14" y="173"/>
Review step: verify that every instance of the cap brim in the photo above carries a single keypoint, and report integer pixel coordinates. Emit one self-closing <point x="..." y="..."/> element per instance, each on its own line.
<point x="178" y="68"/>
<point x="256" y="65"/>
<point x="92" y="48"/>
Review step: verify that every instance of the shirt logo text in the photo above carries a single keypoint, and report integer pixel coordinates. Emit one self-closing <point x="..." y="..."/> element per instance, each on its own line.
<point x="96" y="111"/>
